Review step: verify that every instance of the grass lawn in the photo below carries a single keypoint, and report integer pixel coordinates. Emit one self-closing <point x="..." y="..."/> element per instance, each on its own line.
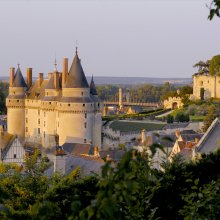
<point x="135" y="126"/>
<point x="197" y="117"/>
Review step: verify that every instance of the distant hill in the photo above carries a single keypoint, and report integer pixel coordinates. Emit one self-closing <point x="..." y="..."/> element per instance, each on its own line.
<point x="101" y="80"/>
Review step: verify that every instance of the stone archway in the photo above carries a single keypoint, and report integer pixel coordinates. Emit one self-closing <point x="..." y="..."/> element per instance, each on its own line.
<point x="174" y="105"/>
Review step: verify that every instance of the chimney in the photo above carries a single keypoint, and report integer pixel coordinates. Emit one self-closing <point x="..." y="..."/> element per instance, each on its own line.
<point x="108" y="158"/>
<point x="40" y="78"/>
<point x="96" y="151"/>
<point x="49" y="75"/>
<point x="12" y="75"/>
<point x="29" y="77"/>
<point x="143" y="136"/>
<point x="65" y="71"/>
<point x="56" y="80"/>
<point x="177" y="132"/>
<point x="196" y="140"/>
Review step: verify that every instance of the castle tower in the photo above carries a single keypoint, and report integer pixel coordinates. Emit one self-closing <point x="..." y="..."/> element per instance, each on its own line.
<point x="97" y="116"/>
<point x="15" y="103"/>
<point x="76" y="107"/>
<point x="49" y="116"/>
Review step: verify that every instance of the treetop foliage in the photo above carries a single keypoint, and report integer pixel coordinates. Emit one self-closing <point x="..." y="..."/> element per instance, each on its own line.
<point x="214" y="8"/>
<point x="131" y="189"/>
<point x="214" y="68"/>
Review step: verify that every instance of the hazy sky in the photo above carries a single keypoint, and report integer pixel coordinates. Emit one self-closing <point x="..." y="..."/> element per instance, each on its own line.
<point x="149" y="38"/>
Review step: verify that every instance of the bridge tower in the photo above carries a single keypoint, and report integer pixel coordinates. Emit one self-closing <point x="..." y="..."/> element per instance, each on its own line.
<point x="120" y="98"/>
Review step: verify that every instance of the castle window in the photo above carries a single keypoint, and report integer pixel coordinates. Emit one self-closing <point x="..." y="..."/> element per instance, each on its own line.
<point x="38" y="121"/>
<point x="201" y="83"/>
<point x="85" y="115"/>
<point x="82" y="93"/>
<point x="14" y="156"/>
<point x="208" y="81"/>
<point x="83" y="105"/>
<point x="44" y="123"/>
<point x="68" y="104"/>
<point x="49" y="103"/>
<point x="85" y="124"/>
<point x="26" y="111"/>
<point x="47" y="93"/>
<point x="9" y="100"/>
<point x="85" y="140"/>
<point x="98" y="104"/>
<point x="17" y="100"/>
<point x="26" y="129"/>
<point x="58" y="124"/>
<point x="38" y="112"/>
<point x="38" y="130"/>
<point x="26" y="119"/>
<point x="44" y="114"/>
<point x="44" y="134"/>
<point x="14" y="92"/>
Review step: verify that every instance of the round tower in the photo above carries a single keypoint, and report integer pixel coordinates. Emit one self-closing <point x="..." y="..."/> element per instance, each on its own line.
<point x="48" y="122"/>
<point x="75" y="108"/>
<point x="15" y="103"/>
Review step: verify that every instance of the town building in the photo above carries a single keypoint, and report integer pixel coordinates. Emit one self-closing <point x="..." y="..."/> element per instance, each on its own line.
<point x="51" y="111"/>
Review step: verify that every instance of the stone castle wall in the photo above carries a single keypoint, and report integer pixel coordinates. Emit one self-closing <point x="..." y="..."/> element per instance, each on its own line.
<point x="210" y="84"/>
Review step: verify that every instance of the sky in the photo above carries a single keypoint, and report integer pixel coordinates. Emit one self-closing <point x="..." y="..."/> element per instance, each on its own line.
<point x="131" y="38"/>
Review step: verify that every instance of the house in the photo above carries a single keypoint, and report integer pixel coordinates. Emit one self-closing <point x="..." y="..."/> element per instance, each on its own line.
<point x="12" y="148"/>
<point x="185" y="144"/>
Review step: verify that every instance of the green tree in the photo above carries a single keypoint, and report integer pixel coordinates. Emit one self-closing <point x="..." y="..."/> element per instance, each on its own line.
<point x="182" y="117"/>
<point x="214" y="68"/>
<point x="214" y="8"/>
<point x="170" y="119"/>
<point x="209" y="117"/>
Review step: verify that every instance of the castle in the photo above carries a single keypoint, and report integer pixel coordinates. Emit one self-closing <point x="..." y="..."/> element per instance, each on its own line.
<point x="205" y="86"/>
<point x="60" y="109"/>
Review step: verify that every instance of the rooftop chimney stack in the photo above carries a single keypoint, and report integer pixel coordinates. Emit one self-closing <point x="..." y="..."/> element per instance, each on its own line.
<point x="65" y="71"/>
<point x="41" y="78"/>
<point x="12" y="75"/>
<point x="29" y="77"/>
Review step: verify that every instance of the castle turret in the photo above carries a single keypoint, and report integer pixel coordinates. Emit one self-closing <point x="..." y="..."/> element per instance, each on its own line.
<point x="49" y="103"/>
<point x="97" y="115"/>
<point x="15" y="103"/>
<point x="76" y="109"/>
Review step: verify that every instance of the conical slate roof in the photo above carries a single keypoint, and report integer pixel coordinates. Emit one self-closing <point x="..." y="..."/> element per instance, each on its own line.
<point x="19" y="79"/>
<point x="93" y="90"/>
<point x="76" y="77"/>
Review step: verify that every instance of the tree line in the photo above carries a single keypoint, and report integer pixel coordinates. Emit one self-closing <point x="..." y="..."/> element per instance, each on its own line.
<point x="130" y="189"/>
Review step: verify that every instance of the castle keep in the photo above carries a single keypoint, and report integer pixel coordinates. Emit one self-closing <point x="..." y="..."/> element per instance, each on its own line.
<point x="61" y="108"/>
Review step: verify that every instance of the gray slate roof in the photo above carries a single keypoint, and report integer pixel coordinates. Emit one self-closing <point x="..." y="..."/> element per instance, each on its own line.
<point x="93" y="90"/>
<point x="50" y="84"/>
<point x="77" y="149"/>
<point x="210" y="140"/>
<point x="19" y="79"/>
<point x="76" y="77"/>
